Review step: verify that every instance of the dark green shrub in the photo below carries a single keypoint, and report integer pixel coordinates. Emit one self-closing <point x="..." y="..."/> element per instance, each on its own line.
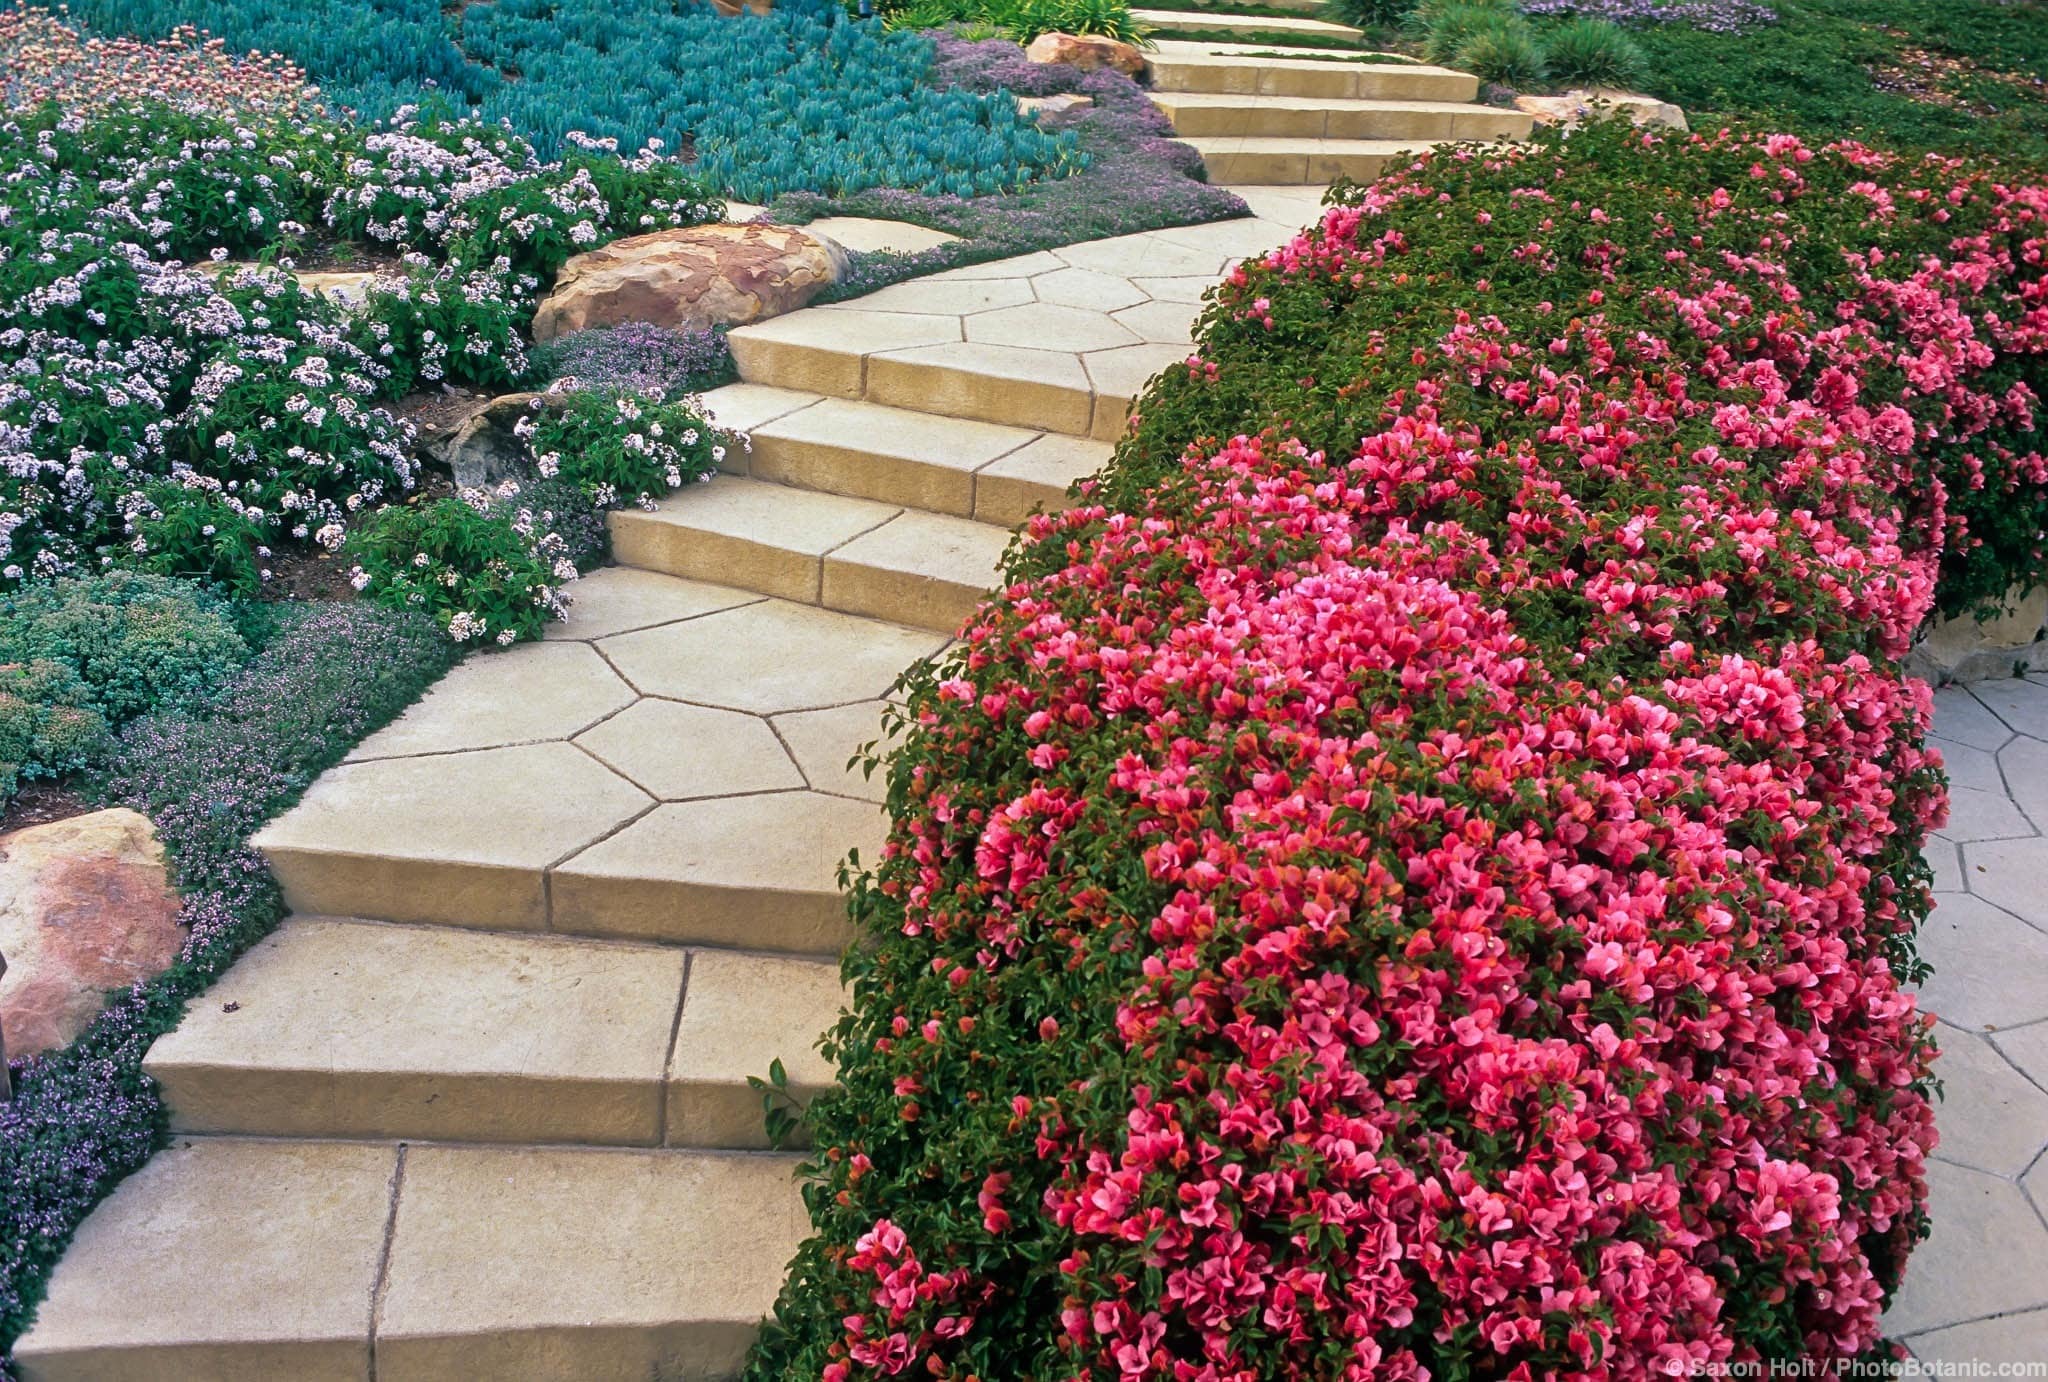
<point x="464" y="565"/>
<point x="1366" y="14"/>
<point x="621" y="447"/>
<point x="1594" y="52"/>
<point x="1506" y="51"/>
<point x="138" y="642"/>
<point x="1442" y="26"/>
<point x="47" y="723"/>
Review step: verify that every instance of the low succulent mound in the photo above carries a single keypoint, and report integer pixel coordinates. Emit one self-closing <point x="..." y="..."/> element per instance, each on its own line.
<point x="1416" y="876"/>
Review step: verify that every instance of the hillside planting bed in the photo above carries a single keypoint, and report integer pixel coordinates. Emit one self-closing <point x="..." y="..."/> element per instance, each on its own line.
<point x="1417" y="875"/>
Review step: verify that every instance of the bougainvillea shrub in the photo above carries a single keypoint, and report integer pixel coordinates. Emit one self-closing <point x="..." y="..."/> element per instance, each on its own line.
<point x="1416" y="875"/>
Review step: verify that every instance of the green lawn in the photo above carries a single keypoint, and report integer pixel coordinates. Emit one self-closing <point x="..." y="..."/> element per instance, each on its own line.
<point x="1954" y="75"/>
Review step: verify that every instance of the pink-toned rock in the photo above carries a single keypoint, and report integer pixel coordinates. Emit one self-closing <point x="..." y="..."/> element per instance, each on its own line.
<point x="1087" y="52"/>
<point x="86" y="905"/>
<point x="709" y="275"/>
<point x="1576" y="105"/>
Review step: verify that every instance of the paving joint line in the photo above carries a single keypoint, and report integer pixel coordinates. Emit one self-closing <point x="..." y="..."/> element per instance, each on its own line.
<point x="382" y="1283"/>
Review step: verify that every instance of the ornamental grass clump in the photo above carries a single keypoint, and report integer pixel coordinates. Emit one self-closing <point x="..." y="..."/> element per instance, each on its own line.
<point x="1416" y="875"/>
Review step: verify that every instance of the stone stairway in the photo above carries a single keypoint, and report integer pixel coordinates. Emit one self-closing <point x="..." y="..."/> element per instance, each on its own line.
<point x="1261" y="119"/>
<point x="480" y="1107"/>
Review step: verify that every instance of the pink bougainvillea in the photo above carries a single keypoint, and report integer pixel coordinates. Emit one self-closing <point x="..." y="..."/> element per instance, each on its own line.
<point x="1415" y="876"/>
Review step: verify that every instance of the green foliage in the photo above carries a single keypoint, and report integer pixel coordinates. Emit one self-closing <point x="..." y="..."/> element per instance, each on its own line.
<point x="47" y="723"/>
<point x="1019" y="20"/>
<point x="1594" y="52"/>
<point x="1443" y="26"/>
<point x="1506" y="51"/>
<point x="617" y="446"/>
<point x="137" y="642"/>
<point x="1367" y="14"/>
<point x="1951" y="76"/>
<point x="464" y="565"/>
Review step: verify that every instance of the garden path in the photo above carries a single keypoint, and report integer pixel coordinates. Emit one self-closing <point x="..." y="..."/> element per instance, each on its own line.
<point x="1258" y="116"/>
<point x="480" y="1107"/>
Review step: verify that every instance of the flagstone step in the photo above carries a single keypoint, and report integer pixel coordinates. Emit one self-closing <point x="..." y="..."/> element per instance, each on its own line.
<point x="318" y="1261"/>
<point x="957" y="466"/>
<point x="1216" y="114"/>
<point x="693" y="791"/>
<point x="1076" y="376"/>
<point x="1296" y="162"/>
<point x="1243" y="69"/>
<point x="1271" y="28"/>
<point x="883" y="561"/>
<point x="352" y="1029"/>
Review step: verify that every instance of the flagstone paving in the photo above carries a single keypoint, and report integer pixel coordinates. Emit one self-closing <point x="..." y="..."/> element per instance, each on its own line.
<point x="1977" y="1290"/>
<point x="480" y="1107"/>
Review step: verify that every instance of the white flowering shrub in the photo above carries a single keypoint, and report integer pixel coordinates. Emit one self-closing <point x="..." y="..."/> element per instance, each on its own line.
<point x="161" y="411"/>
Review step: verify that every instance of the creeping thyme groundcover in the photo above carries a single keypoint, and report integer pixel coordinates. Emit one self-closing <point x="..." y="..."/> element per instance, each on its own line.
<point x="1415" y="876"/>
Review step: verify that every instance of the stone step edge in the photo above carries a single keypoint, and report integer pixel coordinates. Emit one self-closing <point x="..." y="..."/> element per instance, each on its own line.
<point x="862" y="467"/>
<point x="836" y="578"/>
<point x="529" y="900"/>
<point x="889" y="377"/>
<point x="419" y="1263"/>
<point x="1228" y="72"/>
<point x="699" y="1096"/>
<point x="1196" y="114"/>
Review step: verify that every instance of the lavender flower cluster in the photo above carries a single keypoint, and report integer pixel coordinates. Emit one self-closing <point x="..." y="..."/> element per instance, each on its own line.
<point x="85" y="1117"/>
<point x="1713" y="16"/>
<point x="638" y="356"/>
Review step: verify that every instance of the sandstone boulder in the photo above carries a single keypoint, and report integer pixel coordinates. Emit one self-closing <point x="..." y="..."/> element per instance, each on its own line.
<point x="1575" y="105"/>
<point x="86" y="905"/>
<point x="1087" y="52"/>
<point x="699" y="276"/>
<point x="1970" y="649"/>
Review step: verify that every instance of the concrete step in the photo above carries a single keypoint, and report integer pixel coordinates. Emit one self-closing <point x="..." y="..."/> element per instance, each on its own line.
<point x="354" y="1029"/>
<point x="882" y="561"/>
<point x="1076" y="378"/>
<point x="692" y="791"/>
<point x="1265" y="28"/>
<point x="1239" y="69"/>
<point x="1256" y="159"/>
<point x="1221" y="115"/>
<point x="244" y="1259"/>
<point x="916" y="460"/>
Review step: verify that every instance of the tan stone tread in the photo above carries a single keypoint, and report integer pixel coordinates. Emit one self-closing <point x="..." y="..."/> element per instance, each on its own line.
<point x="879" y="561"/>
<point x="339" y="1028"/>
<point x="1221" y="114"/>
<point x="335" y="1028"/>
<point x="1179" y="66"/>
<point x="1271" y="28"/>
<point x="249" y="1260"/>
<point x="1259" y="160"/>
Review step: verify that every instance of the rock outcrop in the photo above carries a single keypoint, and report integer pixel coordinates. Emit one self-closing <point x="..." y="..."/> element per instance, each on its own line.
<point x="699" y="276"/>
<point x="86" y="905"/>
